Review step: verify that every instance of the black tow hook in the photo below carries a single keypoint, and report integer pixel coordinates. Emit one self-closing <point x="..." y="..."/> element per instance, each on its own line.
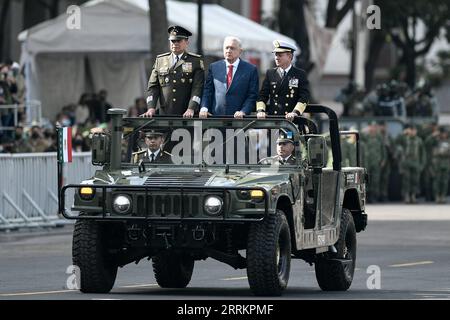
<point x="198" y="233"/>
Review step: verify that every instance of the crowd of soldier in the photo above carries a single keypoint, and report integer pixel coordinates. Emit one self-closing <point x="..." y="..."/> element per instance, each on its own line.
<point x="422" y="158"/>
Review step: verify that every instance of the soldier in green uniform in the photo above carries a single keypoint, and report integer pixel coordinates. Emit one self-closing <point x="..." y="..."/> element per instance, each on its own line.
<point x="389" y="158"/>
<point x="412" y="160"/>
<point x="441" y="165"/>
<point x="154" y="153"/>
<point x="373" y="154"/>
<point x="430" y="137"/>
<point x="285" y="148"/>
<point x="177" y="78"/>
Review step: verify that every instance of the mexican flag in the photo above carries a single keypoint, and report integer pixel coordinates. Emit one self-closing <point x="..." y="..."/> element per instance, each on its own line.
<point x="65" y="144"/>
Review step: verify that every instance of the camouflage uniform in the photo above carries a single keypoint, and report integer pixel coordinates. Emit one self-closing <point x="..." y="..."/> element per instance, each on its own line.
<point x="428" y="172"/>
<point x="386" y="164"/>
<point x="441" y="168"/>
<point x="412" y="161"/>
<point x="373" y="155"/>
<point x="348" y="151"/>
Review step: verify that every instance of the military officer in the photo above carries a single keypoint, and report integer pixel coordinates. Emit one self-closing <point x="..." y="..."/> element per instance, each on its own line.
<point x="285" y="87"/>
<point x="285" y="148"/>
<point x="177" y="78"/>
<point x="412" y="160"/>
<point x="154" y="152"/>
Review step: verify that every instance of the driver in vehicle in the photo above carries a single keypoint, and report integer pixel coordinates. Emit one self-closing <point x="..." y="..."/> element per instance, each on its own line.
<point x="285" y="148"/>
<point x="154" y="152"/>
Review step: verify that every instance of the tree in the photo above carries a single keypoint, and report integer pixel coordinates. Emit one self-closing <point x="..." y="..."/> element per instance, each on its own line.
<point x="4" y="8"/>
<point x="291" y="22"/>
<point x="158" y="27"/>
<point x="401" y="19"/>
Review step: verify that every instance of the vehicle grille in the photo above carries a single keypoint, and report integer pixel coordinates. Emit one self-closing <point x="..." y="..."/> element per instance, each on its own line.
<point x="169" y="205"/>
<point x="178" y="179"/>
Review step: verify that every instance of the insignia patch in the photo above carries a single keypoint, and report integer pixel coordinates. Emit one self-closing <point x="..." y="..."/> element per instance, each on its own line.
<point x="163" y="70"/>
<point x="187" y="67"/>
<point x="293" y="82"/>
<point x="149" y="99"/>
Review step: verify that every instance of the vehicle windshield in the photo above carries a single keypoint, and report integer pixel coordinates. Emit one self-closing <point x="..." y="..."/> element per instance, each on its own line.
<point x="211" y="142"/>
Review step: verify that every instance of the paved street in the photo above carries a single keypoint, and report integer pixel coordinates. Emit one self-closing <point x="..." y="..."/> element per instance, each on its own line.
<point x="410" y="245"/>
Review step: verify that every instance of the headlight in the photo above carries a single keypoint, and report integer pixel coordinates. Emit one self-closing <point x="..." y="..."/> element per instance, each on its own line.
<point x="213" y="205"/>
<point x="86" y="193"/>
<point x="122" y="204"/>
<point x="257" y="195"/>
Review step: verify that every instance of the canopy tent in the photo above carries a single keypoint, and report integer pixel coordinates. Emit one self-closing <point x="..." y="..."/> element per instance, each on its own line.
<point x="110" y="48"/>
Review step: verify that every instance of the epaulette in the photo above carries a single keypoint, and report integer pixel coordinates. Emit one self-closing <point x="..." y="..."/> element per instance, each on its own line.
<point x="194" y="54"/>
<point x="139" y="152"/>
<point x="169" y="154"/>
<point x="164" y="54"/>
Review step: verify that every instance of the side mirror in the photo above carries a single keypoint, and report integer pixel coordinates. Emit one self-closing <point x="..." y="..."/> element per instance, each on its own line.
<point x="100" y="149"/>
<point x="317" y="151"/>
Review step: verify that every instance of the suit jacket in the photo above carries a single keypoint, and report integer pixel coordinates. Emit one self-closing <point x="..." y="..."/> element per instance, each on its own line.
<point x="242" y="94"/>
<point x="176" y="87"/>
<point x="162" y="157"/>
<point x="283" y="95"/>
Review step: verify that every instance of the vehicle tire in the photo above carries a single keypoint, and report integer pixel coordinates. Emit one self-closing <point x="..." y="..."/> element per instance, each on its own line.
<point x="89" y="253"/>
<point x="269" y="255"/>
<point x="332" y="276"/>
<point x="173" y="270"/>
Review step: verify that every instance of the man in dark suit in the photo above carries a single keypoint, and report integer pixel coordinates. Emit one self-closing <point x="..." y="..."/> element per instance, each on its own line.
<point x="231" y="87"/>
<point x="154" y="153"/>
<point x="177" y="78"/>
<point x="285" y="87"/>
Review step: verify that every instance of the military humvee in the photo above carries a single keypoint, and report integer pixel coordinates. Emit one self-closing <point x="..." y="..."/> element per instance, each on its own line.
<point x="216" y="200"/>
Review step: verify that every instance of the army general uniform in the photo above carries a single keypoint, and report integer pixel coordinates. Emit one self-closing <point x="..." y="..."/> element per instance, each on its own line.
<point x="176" y="82"/>
<point x="284" y="93"/>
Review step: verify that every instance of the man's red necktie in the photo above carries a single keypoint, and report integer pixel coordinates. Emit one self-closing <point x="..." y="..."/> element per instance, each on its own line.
<point x="229" y="75"/>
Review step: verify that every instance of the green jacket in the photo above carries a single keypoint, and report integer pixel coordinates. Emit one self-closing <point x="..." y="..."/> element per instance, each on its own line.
<point x="176" y="87"/>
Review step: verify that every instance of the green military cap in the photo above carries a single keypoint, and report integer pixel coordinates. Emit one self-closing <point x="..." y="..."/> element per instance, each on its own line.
<point x="178" y="33"/>
<point x="285" y="136"/>
<point x="153" y="133"/>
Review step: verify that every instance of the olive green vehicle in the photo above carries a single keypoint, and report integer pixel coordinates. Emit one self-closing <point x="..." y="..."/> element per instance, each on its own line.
<point x="215" y="200"/>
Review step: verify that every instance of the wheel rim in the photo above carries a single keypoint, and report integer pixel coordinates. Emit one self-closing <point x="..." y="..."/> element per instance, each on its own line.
<point x="348" y="253"/>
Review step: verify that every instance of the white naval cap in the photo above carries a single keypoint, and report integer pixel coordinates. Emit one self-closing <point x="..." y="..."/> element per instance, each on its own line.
<point x="283" y="46"/>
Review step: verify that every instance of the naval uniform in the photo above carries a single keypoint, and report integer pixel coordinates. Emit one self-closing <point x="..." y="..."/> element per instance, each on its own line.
<point x="283" y="94"/>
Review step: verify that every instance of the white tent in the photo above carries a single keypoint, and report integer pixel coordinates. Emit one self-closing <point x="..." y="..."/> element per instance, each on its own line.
<point x="110" y="48"/>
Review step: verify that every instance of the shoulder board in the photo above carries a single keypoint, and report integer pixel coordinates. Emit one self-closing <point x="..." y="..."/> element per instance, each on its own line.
<point x="169" y="154"/>
<point x="194" y="54"/>
<point x="139" y="152"/>
<point x="163" y="54"/>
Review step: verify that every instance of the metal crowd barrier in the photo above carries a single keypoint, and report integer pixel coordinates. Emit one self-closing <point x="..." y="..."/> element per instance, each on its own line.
<point x="28" y="188"/>
<point x="32" y="110"/>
